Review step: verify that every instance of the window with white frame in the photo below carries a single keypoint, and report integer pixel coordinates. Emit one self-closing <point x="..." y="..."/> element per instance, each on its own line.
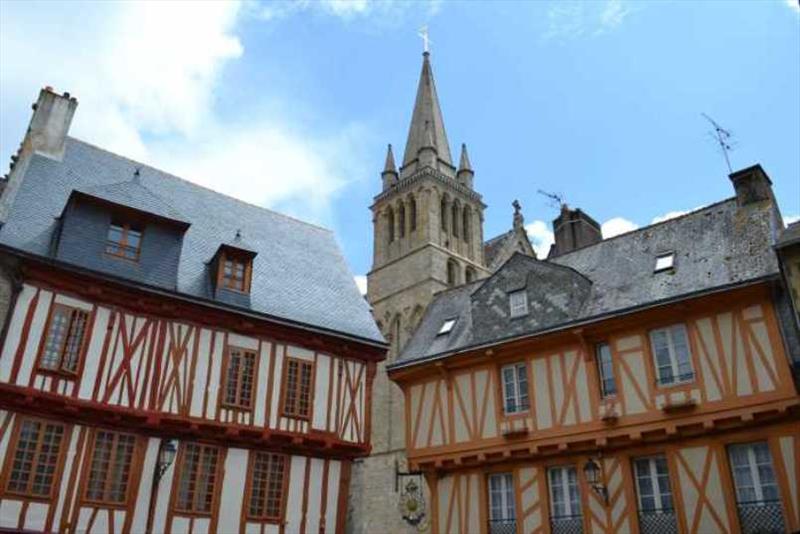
<point x="673" y="360"/>
<point x="605" y="368"/>
<point x="565" y="501"/>
<point x="447" y="326"/>
<point x="665" y="262"/>
<point x="515" y="388"/>
<point x="757" y="495"/>
<point x="518" y="303"/>
<point x="502" y="512"/>
<point x="652" y="485"/>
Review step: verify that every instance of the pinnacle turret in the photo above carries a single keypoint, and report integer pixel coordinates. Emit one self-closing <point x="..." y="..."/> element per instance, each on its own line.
<point x="389" y="174"/>
<point x="465" y="172"/>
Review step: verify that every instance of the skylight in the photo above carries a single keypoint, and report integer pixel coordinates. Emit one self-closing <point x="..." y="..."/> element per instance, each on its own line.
<point x="446" y="327"/>
<point x="665" y="262"/>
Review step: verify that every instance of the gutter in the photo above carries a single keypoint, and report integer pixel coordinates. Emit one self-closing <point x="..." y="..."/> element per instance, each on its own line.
<point x="581" y="322"/>
<point x="382" y="345"/>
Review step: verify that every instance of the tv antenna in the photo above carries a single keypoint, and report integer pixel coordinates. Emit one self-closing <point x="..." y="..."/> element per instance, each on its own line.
<point x="723" y="138"/>
<point x="555" y="200"/>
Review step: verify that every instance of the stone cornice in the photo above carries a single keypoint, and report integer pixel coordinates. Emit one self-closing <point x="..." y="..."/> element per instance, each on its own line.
<point x="429" y="173"/>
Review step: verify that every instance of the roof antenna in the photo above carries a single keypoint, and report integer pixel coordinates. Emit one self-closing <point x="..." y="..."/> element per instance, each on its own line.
<point x="722" y="138"/>
<point x="555" y="200"/>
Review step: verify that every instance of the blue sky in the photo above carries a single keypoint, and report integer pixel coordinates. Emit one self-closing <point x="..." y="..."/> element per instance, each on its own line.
<point x="291" y="105"/>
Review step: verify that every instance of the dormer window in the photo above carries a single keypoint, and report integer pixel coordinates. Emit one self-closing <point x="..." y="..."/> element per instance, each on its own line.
<point x="447" y="326"/>
<point x="124" y="240"/>
<point x="235" y="272"/>
<point x="665" y="262"/>
<point x="518" y="303"/>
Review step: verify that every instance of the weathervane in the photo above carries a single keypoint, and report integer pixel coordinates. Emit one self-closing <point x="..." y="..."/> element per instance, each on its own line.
<point x="426" y="40"/>
<point x="723" y="138"/>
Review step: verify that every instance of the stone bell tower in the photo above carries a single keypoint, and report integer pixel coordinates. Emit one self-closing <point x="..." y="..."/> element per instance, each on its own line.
<point x="428" y="236"/>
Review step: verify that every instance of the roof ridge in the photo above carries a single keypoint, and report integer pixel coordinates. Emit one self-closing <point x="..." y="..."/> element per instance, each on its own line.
<point x="648" y="227"/>
<point x="199" y="186"/>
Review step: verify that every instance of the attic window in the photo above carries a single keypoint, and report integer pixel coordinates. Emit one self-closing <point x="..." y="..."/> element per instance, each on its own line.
<point x="235" y="272"/>
<point x="665" y="262"/>
<point x="518" y="303"/>
<point x="124" y="240"/>
<point x="447" y="326"/>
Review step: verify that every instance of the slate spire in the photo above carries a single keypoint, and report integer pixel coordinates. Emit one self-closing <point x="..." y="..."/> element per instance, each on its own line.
<point x="427" y="125"/>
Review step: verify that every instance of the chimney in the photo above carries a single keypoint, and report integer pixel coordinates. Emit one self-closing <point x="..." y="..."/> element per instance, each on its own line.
<point x="52" y="116"/>
<point x="752" y="185"/>
<point x="574" y="229"/>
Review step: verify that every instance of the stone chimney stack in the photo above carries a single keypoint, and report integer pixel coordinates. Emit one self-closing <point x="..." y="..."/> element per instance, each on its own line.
<point x="574" y="229"/>
<point x="52" y="116"/>
<point x="752" y="185"/>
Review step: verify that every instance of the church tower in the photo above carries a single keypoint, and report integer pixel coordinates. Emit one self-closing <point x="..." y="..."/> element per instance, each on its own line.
<point x="427" y="222"/>
<point x="428" y="236"/>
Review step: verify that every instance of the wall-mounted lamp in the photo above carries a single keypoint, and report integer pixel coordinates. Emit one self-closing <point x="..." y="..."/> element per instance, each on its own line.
<point x="593" y="474"/>
<point x="166" y="455"/>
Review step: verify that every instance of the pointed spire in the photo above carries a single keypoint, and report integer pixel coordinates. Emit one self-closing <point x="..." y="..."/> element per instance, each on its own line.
<point x="464" y="164"/>
<point x="390" y="166"/>
<point x="426" y="116"/>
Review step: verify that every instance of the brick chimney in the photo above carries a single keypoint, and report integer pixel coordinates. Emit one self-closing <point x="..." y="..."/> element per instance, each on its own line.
<point x="574" y="229"/>
<point x="752" y="185"/>
<point x="52" y="116"/>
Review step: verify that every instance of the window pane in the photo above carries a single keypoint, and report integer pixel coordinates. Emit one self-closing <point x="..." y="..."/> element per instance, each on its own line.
<point x="605" y="367"/>
<point x="56" y="336"/>
<point x="197" y="478"/>
<point x="74" y="342"/>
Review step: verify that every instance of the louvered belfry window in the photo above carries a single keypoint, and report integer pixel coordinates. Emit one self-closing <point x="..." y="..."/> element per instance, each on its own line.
<point x="267" y="477"/>
<point x="64" y="340"/>
<point x="297" y="388"/>
<point x="110" y="470"/>
<point x="35" y="458"/>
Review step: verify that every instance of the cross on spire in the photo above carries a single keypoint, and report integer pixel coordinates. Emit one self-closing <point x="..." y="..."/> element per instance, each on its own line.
<point x="426" y="41"/>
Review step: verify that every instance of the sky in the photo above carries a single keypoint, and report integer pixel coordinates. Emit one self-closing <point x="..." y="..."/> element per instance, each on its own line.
<point x="290" y="105"/>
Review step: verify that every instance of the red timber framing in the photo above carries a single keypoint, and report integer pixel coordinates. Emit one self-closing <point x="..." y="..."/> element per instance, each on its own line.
<point x="458" y="433"/>
<point x="135" y="338"/>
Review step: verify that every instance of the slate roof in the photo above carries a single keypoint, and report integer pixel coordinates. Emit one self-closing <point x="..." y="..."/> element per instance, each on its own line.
<point x="789" y="236"/>
<point x="717" y="246"/>
<point x="493" y="246"/>
<point x="299" y="273"/>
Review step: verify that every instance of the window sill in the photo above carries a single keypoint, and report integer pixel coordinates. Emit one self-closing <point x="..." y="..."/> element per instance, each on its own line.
<point x="235" y="407"/>
<point x="66" y="375"/>
<point x="121" y="257"/>
<point x="297" y="417"/>
<point x="686" y="383"/>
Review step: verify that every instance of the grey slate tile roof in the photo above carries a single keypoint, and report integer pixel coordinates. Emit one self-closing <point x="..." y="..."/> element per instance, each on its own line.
<point x="299" y="273"/>
<point x="494" y="245"/>
<point x="789" y="236"/>
<point x="133" y="194"/>
<point x="716" y="246"/>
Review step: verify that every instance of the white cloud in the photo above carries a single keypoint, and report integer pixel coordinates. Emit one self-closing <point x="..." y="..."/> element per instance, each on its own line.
<point x="793" y="4"/>
<point x="147" y="76"/>
<point x="343" y="9"/>
<point x="570" y="19"/>
<point x="616" y="226"/>
<point x="361" y="282"/>
<point x="541" y="237"/>
<point x="790" y="219"/>
<point x="672" y="215"/>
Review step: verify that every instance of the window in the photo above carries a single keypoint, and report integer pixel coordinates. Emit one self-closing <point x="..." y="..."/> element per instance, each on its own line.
<point x="452" y="273"/>
<point x="35" y="458"/>
<point x="757" y="497"/>
<point x="469" y="274"/>
<point x="671" y="352"/>
<point x="235" y="273"/>
<point x="443" y="213"/>
<point x="665" y="262"/>
<point x="466" y="226"/>
<point x="63" y="344"/>
<point x="112" y="455"/>
<point x="240" y="372"/>
<point x="515" y="388"/>
<point x="518" y="303"/>
<point x="447" y="326"/>
<point x="565" y="502"/>
<point x="267" y="476"/>
<point x="197" y="478"/>
<point x="654" y="497"/>
<point x="124" y="240"/>
<point x="502" y="512"/>
<point x="401" y="213"/>
<point x="390" y="224"/>
<point x="297" y="388"/>
<point x="412" y="213"/>
<point x="605" y="368"/>
<point x="454" y="219"/>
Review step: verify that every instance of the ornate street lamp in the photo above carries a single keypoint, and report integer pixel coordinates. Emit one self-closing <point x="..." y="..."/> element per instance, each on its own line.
<point x="593" y="475"/>
<point x="166" y="455"/>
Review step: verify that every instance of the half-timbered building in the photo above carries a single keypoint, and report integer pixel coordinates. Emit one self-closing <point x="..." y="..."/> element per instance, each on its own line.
<point x="172" y="359"/>
<point x="636" y="384"/>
